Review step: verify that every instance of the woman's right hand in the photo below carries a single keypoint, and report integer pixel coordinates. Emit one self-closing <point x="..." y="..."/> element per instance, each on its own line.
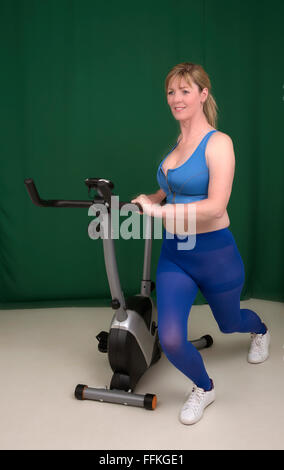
<point x="138" y="199"/>
<point x="146" y="202"/>
<point x="153" y="198"/>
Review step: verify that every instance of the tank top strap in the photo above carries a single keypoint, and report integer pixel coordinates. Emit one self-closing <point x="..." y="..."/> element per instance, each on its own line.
<point x="207" y="137"/>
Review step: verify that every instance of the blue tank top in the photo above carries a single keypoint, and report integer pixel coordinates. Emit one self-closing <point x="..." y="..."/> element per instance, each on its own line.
<point x="189" y="181"/>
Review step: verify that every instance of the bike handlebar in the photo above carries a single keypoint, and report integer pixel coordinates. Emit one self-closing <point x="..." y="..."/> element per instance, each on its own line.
<point x="102" y="186"/>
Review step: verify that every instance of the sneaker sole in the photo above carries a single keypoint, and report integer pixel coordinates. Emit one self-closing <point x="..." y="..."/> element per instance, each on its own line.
<point x="252" y="361"/>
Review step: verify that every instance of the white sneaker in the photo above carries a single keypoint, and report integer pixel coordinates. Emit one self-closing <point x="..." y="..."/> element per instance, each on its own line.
<point x="192" y="410"/>
<point x="259" y="348"/>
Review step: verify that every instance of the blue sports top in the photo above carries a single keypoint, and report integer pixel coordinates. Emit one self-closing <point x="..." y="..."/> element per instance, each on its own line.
<point x="189" y="181"/>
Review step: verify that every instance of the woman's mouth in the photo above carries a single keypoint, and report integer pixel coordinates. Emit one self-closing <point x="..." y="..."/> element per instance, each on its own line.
<point x="179" y="108"/>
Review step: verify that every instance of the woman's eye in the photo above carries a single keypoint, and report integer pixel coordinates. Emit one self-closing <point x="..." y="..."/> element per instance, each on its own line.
<point x="184" y="91"/>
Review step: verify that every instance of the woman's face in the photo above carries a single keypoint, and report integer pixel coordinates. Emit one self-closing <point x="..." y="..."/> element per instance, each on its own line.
<point x="183" y="99"/>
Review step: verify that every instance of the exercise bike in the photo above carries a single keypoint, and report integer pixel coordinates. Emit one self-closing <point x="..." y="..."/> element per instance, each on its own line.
<point x="132" y="342"/>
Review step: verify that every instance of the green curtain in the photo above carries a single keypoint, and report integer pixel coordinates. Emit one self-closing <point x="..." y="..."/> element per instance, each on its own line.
<point x="82" y="86"/>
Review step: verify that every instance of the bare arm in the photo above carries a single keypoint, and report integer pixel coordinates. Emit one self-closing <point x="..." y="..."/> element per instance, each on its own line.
<point x="157" y="197"/>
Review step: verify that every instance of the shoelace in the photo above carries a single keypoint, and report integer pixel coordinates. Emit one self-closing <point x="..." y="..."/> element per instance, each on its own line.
<point x="195" y="399"/>
<point x="257" y="340"/>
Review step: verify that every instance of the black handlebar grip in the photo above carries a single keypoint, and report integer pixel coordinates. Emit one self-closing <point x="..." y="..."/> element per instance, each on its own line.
<point x="33" y="192"/>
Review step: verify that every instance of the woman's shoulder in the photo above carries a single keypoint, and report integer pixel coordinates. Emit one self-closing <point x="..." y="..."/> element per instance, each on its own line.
<point x="220" y="136"/>
<point x="217" y="136"/>
<point x="219" y="144"/>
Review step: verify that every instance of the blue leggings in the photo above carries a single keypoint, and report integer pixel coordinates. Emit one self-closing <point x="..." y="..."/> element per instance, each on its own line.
<point x="215" y="267"/>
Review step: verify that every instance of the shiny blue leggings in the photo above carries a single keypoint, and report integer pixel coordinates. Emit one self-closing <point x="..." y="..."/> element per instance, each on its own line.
<point x="214" y="265"/>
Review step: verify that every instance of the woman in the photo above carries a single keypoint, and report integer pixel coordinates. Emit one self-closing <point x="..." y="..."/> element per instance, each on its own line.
<point x="198" y="171"/>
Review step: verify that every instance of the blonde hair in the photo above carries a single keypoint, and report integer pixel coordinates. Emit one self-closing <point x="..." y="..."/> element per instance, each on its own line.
<point x="196" y="73"/>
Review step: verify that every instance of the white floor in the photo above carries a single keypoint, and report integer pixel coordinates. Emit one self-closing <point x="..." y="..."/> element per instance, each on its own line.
<point x="45" y="353"/>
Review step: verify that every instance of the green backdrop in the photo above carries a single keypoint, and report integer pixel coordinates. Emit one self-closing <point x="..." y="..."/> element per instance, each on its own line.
<point x="82" y="85"/>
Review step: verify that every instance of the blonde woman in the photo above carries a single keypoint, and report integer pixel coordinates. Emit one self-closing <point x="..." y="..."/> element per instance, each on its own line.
<point x="198" y="170"/>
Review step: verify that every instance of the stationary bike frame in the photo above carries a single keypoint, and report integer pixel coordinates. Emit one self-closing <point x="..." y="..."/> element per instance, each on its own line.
<point x="130" y="316"/>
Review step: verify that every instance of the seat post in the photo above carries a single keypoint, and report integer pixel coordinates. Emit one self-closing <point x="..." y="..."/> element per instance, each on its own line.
<point x="148" y="234"/>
